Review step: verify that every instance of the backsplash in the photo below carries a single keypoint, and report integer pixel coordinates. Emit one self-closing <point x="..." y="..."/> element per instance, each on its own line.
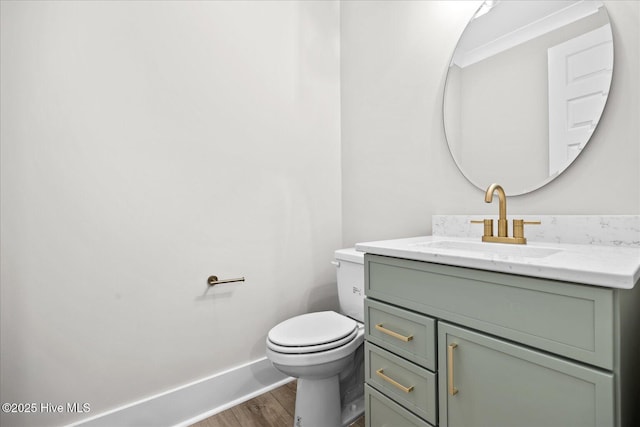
<point x="609" y="230"/>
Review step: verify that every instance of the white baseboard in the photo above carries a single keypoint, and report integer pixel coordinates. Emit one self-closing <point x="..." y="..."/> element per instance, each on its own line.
<point x="193" y="402"/>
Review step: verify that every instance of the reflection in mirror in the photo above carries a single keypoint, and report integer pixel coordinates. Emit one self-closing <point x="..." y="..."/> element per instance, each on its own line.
<point x="526" y="87"/>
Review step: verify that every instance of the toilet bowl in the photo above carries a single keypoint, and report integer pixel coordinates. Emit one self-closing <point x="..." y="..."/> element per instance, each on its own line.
<point x="324" y="350"/>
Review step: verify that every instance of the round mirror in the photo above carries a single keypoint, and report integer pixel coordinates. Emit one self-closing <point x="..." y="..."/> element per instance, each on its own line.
<point x="526" y="86"/>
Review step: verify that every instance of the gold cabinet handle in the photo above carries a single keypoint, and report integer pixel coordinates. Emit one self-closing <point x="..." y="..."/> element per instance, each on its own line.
<point x="393" y="334"/>
<point x="452" y="390"/>
<point x="381" y="374"/>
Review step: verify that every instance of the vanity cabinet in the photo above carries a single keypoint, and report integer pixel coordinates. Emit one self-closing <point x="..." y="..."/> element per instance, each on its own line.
<point x="453" y="346"/>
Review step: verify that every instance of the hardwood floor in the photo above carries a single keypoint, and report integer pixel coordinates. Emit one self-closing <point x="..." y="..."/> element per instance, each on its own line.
<point x="271" y="409"/>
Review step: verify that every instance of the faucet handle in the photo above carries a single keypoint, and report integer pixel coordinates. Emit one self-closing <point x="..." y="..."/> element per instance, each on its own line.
<point x="518" y="227"/>
<point x="488" y="225"/>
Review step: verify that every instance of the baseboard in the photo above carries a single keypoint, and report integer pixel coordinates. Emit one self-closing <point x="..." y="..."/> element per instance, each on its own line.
<point x="196" y="401"/>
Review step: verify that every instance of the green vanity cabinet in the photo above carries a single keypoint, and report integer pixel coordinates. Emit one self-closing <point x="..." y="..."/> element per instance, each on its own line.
<point x="452" y="346"/>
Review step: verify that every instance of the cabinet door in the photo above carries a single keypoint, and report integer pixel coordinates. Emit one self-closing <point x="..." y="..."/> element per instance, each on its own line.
<point x="491" y="382"/>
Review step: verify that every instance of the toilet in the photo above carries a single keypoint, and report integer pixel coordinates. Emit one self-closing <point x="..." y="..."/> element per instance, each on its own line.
<point x="325" y="351"/>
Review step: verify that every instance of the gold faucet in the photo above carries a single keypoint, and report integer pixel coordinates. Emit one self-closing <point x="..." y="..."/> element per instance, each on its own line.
<point x="503" y="224"/>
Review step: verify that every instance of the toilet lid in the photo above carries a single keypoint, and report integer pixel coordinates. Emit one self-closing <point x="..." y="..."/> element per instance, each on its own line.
<point x="312" y="329"/>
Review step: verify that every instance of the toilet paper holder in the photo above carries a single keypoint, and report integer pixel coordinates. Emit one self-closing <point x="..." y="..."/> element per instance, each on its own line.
<point x="213" y="280"/>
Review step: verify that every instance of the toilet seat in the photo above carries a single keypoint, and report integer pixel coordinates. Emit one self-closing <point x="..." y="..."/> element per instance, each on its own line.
<point x="317" y="358"/>
<point x="313" y="348"/>
<point x="312" y="332"/>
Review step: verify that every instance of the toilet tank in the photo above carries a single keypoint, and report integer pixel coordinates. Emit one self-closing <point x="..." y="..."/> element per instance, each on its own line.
<point x="350" y="276"/>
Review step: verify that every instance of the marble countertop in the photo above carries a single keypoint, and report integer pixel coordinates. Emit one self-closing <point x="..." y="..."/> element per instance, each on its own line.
<point x="608" y="266"/>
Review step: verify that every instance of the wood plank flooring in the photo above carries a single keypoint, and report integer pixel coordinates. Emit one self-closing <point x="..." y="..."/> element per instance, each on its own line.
<point x="272" y="409"/>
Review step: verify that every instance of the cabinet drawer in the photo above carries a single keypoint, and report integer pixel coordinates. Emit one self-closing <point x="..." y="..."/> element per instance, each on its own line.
<point x="568" y="319"/>
<point x="408" y="334"/>
<point x="408" y="384"/>
<point x="382" y="411"/>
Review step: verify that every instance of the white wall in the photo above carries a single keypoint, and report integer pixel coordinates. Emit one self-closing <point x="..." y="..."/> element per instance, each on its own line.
<point x="397" y="170"/>
<point x="146" y="146"/>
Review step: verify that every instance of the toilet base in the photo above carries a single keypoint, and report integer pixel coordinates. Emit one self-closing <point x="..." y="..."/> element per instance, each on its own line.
<point x="318" y="403"/>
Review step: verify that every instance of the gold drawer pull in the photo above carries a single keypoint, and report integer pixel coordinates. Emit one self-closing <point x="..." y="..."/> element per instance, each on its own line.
<point x="381" y="374"/>
<point x="393" y="334"/>
<point x="452" y="390"/>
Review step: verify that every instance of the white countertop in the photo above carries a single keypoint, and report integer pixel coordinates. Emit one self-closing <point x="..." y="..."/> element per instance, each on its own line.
<point x="608" y="266"/>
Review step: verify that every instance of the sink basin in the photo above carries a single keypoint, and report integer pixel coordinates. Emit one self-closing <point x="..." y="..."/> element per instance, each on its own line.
<point x="487" y="248"/>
